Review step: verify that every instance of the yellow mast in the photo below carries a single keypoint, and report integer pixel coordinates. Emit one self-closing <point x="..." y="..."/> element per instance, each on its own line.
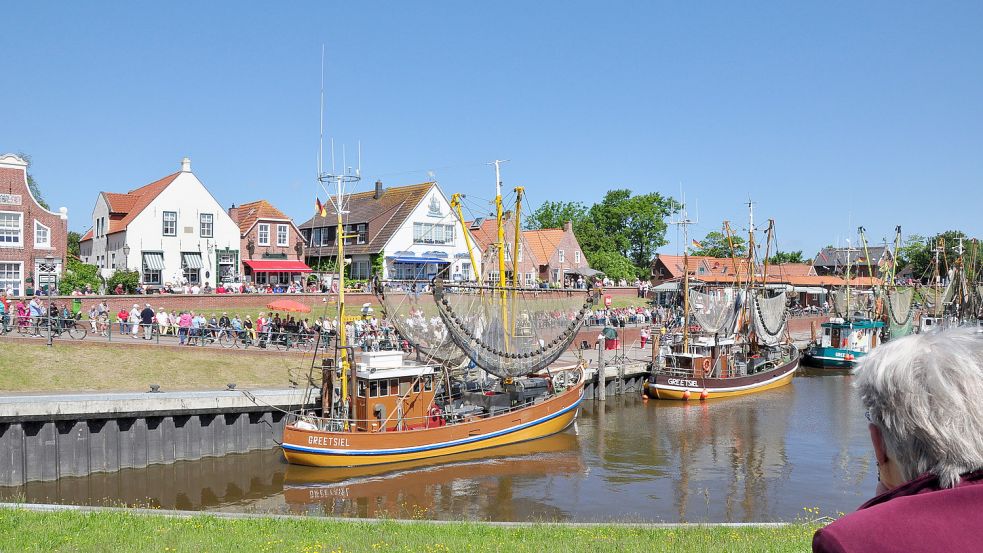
<point x="456" y="205"/>
<point x="501" y="254"/>
<point x="733" y="254"/>
<point x="518" y="234"/>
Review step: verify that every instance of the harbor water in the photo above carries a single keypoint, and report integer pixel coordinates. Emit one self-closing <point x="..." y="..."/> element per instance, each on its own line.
<point x="793" y="453"/>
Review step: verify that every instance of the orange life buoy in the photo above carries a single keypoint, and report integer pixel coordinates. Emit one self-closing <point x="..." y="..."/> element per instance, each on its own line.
<point x="706" y="366"/>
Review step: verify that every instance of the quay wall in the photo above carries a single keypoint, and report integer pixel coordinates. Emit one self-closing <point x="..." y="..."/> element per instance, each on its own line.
<point x="46" y="437"/>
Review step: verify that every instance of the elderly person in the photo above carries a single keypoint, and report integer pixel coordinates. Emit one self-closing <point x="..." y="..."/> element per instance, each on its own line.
<point x="923" y="398"/>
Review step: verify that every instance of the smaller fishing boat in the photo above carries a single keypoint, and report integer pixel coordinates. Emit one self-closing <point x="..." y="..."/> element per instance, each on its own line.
<point x="843" y="343"/>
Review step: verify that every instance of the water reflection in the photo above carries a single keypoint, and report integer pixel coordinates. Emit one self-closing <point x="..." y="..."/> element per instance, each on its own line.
<point x="757" y="458"/>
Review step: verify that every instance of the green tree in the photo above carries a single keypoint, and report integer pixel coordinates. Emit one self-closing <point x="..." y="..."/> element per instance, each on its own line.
<point x="613" y="265"/>
<point x="77" y="276"/>
<point x="715" y="244"/>
<point x="786" y="257"/>
<point x="73" y="243"/>
<point x="555" y="215"/>
<point x="129" y="280"/>
<point x="31" y="183"/>
<point x="633" y="226"/>
<point x="918" y="253"/>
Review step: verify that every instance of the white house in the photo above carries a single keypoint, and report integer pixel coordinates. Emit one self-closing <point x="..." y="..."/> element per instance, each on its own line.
<point x="172" y="230"/>
<point x="410" y="230"/>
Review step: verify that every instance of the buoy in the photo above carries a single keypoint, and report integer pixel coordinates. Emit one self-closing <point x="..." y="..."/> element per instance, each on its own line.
<point x="704" y="394"/>
<point x="685" y="394"/>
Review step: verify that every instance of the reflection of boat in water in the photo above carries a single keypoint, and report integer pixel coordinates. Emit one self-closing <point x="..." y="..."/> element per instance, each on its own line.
<point x="390" y="410"/>
<point x="402" y="488"/>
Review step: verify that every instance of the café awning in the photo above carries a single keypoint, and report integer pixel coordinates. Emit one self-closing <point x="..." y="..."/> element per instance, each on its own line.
<point x="191" y="260"/>
<point x="153" y="261"/>
<point x="277" y="266"/>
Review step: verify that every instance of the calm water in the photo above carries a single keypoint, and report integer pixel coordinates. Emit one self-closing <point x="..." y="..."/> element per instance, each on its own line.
<point x="759" y="458"/>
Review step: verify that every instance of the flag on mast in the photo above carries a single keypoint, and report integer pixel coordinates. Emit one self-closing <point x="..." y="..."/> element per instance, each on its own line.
<point x="696" y="245"/>
<point x="319" y="208"/>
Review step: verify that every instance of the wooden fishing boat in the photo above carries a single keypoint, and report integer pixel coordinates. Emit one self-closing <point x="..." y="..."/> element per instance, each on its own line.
<point x="739" y="345"/>
<point x="382" y="408"/>
<point x="843" y="343"/>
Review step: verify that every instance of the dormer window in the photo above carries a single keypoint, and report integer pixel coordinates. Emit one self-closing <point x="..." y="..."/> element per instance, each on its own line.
<point x="42" y="235"/>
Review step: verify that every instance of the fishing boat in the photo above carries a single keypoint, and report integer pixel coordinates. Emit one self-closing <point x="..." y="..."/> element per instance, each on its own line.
<point x="739" y="345"/>
<point x="385" y="408"/>
<point x="857" y="329"/>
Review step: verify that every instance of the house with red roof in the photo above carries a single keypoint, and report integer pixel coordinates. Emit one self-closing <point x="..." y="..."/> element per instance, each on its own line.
<point x="272" y="245"/>
<point x="173" y="231"/>
<point x="33" y="240"/>
<point x="544" y="255"/>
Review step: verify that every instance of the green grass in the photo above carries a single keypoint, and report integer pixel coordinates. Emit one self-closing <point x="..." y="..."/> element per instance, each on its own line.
<point x="24" y="530"/>
<point x="31" y="366"/>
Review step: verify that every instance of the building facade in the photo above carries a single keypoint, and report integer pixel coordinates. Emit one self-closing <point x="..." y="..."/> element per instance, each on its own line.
<point x="405" y="232"/>
<point x="172" y="231"/>
<point x="33" y="240"/>
<point x="272" y="246"/>
<point x="550" y="256"/>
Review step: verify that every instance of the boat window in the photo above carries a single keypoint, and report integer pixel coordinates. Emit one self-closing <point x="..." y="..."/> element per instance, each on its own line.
<point x="394" y="386"/>
<point x="416" y="385"/>
<point x="404" y="387"/>
<point x="361" y="388"/>
<point x="383" y="388"/>
<point x="373" y="389"/>
<point x="826" y="331"/>
<point x="428" y="384"/>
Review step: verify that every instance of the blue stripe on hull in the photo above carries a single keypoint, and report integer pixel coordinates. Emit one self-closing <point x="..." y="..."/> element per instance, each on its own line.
<point x="363" y="452"/>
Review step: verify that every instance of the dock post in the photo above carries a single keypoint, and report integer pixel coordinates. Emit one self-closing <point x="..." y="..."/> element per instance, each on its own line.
<point x="620" y="389"/>
<point x="601" y="389"/>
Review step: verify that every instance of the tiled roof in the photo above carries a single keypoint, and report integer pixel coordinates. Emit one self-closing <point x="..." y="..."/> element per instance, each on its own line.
<point x="543" y="243"/>
<point x="124" y="208"/>
<point x="837" y="257"/>
<point x="251" y="212"/>
<point x="791" y="269"/>
<point x="721" y="266"/>
<point x="384" y="216"/>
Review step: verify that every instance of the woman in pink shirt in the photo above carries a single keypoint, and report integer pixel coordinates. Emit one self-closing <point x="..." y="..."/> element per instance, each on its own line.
<point x="183" y="326"/>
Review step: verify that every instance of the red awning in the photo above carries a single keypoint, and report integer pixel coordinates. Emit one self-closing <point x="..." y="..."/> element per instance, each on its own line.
<point x="277" y="266"/>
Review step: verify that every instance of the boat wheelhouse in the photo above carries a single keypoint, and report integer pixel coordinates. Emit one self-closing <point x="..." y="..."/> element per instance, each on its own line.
<point x="842" y="343"/>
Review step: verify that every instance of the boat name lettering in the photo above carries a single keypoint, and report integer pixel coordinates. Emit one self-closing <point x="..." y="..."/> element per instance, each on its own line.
<point x="328" y="441"/>
<point x="680" y="382"/>
<point x="320" y="493"/>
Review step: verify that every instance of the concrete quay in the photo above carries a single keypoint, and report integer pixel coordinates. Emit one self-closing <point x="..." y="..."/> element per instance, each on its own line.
<point x="46" y="437"/>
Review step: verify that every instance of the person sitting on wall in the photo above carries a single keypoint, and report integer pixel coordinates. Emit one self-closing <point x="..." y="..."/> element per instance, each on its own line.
<point x="922" y="395"/>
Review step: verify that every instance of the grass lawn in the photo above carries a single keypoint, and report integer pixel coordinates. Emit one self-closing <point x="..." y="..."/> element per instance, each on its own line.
<point x="32" y="366"/>
<point x="120" y="531"/>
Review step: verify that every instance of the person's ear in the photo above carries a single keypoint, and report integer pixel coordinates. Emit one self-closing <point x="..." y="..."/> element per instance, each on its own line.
<point x="877" y="440"/>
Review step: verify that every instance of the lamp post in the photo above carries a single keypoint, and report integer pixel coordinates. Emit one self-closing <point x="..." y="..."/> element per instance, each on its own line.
<point x="49" y="269"/>
<point x="126" y="256"/>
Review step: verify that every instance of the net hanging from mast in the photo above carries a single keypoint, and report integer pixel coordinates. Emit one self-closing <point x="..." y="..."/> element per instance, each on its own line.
<point x="508" y="331"/>
<point x="770" y="316"/>
<point x="716" y="313"/>
<point x="410" y="308"/>
<point x="858" y="303"/>
<point x="934" y="298"/>
<point x="899" y="310"/>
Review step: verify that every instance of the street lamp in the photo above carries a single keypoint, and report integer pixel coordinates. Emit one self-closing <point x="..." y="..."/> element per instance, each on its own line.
<point x="126" y="255"/>
<point x="50" y="270"/>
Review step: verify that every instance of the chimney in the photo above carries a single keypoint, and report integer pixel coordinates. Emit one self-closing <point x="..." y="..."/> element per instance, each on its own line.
<point x="234" y="213"/>
<point x="378" y="189"/>
<point x="568" y="226"/>
<point x="186" y="165"/>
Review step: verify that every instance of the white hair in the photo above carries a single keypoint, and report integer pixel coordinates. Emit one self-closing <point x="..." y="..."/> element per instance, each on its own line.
<point x="924" y="392"/>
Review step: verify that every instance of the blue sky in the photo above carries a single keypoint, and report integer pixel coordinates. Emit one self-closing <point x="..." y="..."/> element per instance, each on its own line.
<point x="827" y="114"/>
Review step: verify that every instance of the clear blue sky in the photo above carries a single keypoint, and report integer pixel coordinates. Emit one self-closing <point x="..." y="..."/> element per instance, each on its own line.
<point x="827" y="114"/>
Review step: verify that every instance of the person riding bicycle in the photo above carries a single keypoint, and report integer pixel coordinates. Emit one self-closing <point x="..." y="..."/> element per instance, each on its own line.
<point x="236" y="325"/>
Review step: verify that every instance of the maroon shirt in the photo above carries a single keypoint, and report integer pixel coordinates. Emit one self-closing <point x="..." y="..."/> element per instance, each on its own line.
<point x="916" y="516"/>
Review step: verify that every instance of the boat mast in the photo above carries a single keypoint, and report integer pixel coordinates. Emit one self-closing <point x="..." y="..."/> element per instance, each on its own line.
<point x="501" y="251"/>
<point x="751" y="269"/>
<point x="456" y="206"/>
<point x="684" y="222"/>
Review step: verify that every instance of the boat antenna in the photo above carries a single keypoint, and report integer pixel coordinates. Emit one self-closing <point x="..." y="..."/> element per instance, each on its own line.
<point x="682" y="223"/>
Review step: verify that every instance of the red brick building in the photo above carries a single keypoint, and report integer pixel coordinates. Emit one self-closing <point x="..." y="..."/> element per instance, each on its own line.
<point x="272" y="246"/>
<point x="33" y="240"/>
<point x="546" y="255"/>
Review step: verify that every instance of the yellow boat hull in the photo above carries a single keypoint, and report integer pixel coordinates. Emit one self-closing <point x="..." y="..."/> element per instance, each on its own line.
<point x="352" y="449"/>
<point x="703" y="389"/>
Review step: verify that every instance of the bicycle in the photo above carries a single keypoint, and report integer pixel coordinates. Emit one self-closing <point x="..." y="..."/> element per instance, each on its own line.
<point x="231" y="339"/>
<point x="73" y="326"/>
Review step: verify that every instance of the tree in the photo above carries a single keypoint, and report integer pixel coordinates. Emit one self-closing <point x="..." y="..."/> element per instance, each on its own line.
<point x="555" y="215"/>
<point x="633" y="226"/>
<point x="128" y="279"/>
<point x="73" y="243"/>
<point x="781" y="257"/>
<point x="918" y="253"/>
<point x="715" y="244"/>
<point x="31" y="183"/>
<point x="77" y="276"/>
<point x="612" y="264"/>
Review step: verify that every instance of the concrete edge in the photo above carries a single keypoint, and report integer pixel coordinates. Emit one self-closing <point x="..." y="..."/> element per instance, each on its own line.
<point x="48" y="507"/>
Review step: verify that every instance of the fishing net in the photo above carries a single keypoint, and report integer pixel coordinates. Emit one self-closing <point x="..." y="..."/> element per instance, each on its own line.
<point x="770" y="317"/>
<point x="511" y="331"/>
<point x="858" y="304"/>
<point x="716" y="313"/>
<point x="411" y="309"/>
<point x="934" y="298"/>
<point x="899" y="311"/>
